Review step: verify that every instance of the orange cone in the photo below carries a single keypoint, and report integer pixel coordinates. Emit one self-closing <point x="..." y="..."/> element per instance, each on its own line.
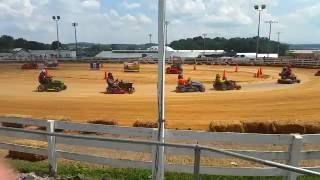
<point x="260" y="72"/>
<point x="195" y="67"/>
<point x="224" y="77"/>
<point x="105" y="75"/>
<point x="236" y="68"/>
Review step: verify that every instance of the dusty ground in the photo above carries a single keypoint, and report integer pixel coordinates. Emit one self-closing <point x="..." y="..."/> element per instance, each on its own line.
<point x="260" y="99"/>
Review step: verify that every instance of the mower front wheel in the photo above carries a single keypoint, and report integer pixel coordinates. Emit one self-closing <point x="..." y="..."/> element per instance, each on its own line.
<point x="132" y="90"/>
<point x="65" y="87"/>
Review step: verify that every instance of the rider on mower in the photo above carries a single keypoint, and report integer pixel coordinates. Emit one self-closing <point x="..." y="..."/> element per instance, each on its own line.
<point x="287" y="72"/>
<point x="44" y="77"/>
<point x="218" y="79"/>
<point x="111" y="82"/>
<point x="182" y="81"/>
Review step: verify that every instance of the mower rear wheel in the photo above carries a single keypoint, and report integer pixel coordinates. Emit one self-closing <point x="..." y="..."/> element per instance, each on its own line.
<point x="223" y="87"/>
<point x="57" y="89"/>
<point x="202" y="89"/>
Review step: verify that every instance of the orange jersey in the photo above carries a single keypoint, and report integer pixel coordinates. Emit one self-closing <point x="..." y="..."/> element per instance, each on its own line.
<point x="182" y="81"/>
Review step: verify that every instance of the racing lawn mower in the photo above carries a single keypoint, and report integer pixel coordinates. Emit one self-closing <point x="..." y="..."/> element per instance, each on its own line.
<point x="131" y="67"/>
<point x="175" y="68"/>
<point x="226" y="85"/>
<point x="51" y="63"/>
<point x="30" y="65"/>
<point x="288" y="78"/>
<point x="52" y="85"/>
<point x="121" y="88"/>
<point x="193" y="86"/>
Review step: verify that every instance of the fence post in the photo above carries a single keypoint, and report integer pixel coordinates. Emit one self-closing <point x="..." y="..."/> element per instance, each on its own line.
<point x="153" y="150"/>
<point x="197" y="153"/>
<point x="295" y="155"/>
<point x="52" y="149"/>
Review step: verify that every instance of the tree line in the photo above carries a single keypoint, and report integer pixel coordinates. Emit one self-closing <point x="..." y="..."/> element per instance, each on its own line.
<point x="240" y="45"/>
<point x="7" y="43"/>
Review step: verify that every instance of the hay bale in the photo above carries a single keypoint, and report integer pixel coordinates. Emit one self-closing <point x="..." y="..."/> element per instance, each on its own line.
<point x="312" y="128"/>
<point x="104" y="122"/>
<point x="13" y="125"/>
<point x="26" y="156"/>
<point x="288" y="127"/>
<point x="258" y="127"/>
<point x="226" y="127"/>
<point x="145" y="124"/>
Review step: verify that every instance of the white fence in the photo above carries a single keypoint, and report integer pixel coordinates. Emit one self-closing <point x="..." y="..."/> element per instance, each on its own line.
<point x="293" y="156"/>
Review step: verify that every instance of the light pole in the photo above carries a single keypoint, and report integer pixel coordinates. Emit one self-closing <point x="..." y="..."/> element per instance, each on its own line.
<point x="150" y="39"/>
<point x="56" y="19"/>
<point x="270" y="29"/>
<point x="75" y="37"/>
<point x="159" y="158"/>
<point x="204" y="43"/>
<point x="166" y="24"/>
<point x="259" y="8"/>
<point x="278" y="42"/>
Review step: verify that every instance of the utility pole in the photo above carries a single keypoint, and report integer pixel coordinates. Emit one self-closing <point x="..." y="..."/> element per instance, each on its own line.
<point x="278" y="43"/>
<point x="167" y="23"/>
<point x="159" y="158"/>
<point x="150" y="39"/>
<point x="75" y="37"/>
<point x="56" y="19"/>
<point x="204" y="43"/>
<point x="270" y="30"/>
<point x="259" y="8"/>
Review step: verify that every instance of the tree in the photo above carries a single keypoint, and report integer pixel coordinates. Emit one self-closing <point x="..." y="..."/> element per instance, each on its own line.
<point x="54" y="45"/>
<point x="230" y="45"/>
<point x="6" y="42"/>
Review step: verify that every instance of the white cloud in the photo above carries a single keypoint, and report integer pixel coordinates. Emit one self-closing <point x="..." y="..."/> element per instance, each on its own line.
<point x="16" y="8"/>
<point x="131" y="5"/>
<point x="119" y="21"/>
<point x="91" y="4"/>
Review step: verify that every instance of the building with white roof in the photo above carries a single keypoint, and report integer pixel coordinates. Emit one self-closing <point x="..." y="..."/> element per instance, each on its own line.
<point x="152" y="52"/>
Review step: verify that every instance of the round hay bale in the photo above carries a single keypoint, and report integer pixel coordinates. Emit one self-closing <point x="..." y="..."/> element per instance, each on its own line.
<point x="13" y="125"/>
<point x="226" y="127"/>
<point x="145" y="124"/>
<point x="312" y="128"/>
<point x="104" y="122"/>
<point x="258" y="127"/>
<point x="288" y="128"/>
<point x="26" y="156"/>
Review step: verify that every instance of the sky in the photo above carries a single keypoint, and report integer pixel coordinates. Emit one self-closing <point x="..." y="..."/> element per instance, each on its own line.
<point x="130" y="21"/>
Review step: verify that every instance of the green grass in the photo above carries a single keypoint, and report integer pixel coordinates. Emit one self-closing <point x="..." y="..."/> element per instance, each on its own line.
<point x="87" y="172"/>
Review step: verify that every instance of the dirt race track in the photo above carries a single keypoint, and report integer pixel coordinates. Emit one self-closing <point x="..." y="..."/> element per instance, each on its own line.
<point x="259" y="100"/>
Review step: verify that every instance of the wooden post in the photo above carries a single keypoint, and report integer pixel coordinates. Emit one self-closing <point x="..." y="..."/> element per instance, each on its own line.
<point x="295" y="155"/>
<point x="196" y="172"/>
<point x="52" y="149"/>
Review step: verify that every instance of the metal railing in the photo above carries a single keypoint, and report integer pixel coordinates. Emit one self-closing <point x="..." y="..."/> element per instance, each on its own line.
<point x="195" y="147"/>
